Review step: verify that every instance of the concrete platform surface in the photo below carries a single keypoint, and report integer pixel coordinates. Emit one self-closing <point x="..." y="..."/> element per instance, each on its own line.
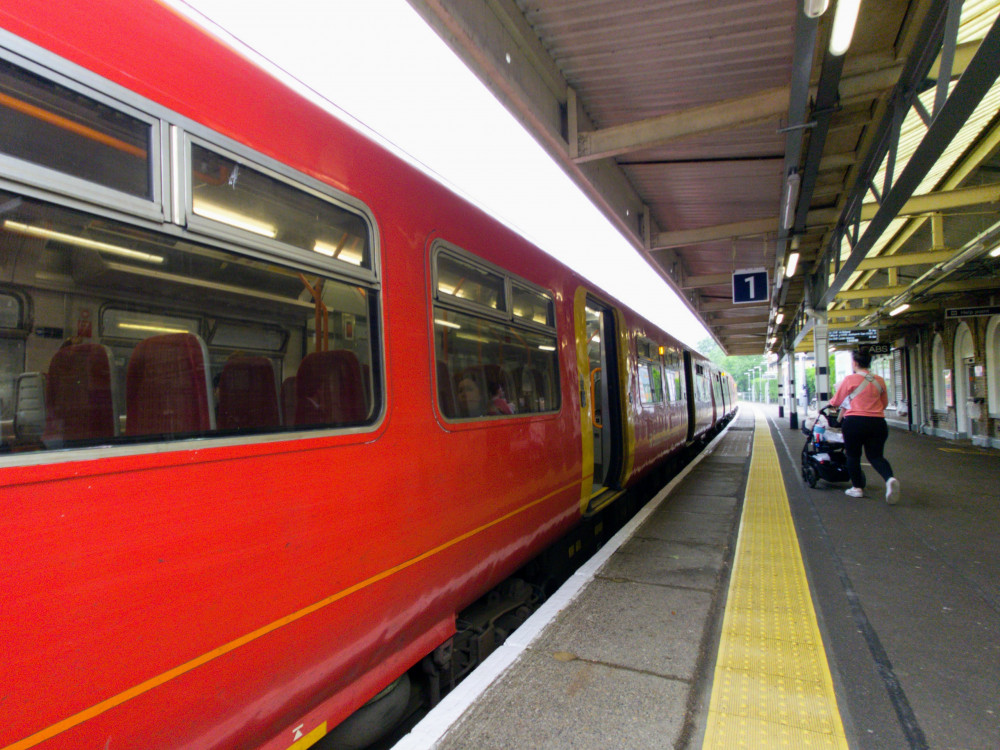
<point x="622" y="663"/>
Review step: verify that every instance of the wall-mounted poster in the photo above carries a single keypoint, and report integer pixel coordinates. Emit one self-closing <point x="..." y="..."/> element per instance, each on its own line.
<point x="949" y="390"/>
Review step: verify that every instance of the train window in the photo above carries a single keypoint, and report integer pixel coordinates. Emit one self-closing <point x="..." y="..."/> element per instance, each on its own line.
<point x="57" y="128"/>
<point x="650" y="383"/>
<point x="470" y="285"/>
<point x="230" y="197"/>
<point x="646" y="348"/>
<point x="190" y="340"/>
<point x="674" y="374"/>
<point x="489" y="369"/>
<point x="11" y="312"/>
<point x="532" y="306"/>
<point x="11" y="353"/>
<point x="493" y="359"/>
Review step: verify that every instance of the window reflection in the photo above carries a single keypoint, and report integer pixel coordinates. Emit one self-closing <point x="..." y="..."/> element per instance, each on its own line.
<point x="239" y="197"/>
<point x="58" y="128"/>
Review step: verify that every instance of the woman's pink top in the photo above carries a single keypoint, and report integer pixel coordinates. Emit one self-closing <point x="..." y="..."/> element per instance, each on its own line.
<point x="871" y="402"/>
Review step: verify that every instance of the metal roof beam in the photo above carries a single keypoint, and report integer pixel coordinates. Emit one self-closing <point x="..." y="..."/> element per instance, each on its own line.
<point x="979" y="76"/>
<point x="863" y="312"/>
<point x="946" y="287"/>
<point x="708" y="307"/>
<point x="735" y="325"/>
<point x="682" y="237"/>
<point x="906" y="259"/>
<point x="827" y="99"/>
<point x="919" y="204"/>
<point x="986" y="146"/>
<point x="711" y="279"/>
<point x="737" y="313"/>
<point x="655" y="131"/>
<point x="740" y="111"/>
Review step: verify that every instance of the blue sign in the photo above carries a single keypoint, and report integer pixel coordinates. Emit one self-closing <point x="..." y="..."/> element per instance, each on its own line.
<point x="750" y="285"/>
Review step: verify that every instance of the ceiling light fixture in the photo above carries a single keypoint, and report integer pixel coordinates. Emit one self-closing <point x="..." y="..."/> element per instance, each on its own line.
<point x="793" y="262"/>
<point x="900" y="309"/>
<point x="815" y="8"/>
<point x="844" y="20"/>
<point x="792" y="184"/>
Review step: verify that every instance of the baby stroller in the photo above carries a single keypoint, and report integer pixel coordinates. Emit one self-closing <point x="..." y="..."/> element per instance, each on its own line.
<point x="823" y="454"/>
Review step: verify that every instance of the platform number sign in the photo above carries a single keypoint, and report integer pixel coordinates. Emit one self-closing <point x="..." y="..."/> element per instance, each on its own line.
<point x="750" y="285"/>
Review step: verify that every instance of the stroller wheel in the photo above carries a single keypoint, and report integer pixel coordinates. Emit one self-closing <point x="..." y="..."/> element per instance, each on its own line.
<point x="811" y="476"/>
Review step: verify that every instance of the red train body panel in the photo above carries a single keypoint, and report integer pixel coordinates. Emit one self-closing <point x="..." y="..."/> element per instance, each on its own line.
<point x="220" y="592"/>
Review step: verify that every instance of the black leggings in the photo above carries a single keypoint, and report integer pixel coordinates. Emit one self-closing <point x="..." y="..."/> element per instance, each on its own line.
<point x="869" y="433"/>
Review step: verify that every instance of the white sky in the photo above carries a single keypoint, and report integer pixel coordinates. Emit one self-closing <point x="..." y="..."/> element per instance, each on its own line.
<point x="380" y="63"/>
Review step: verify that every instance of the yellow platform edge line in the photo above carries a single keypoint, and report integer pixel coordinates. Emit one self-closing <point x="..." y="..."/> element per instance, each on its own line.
<point x="772" y="685"/>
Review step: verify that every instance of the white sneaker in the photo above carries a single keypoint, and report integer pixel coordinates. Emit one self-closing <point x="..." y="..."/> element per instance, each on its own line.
<point x="892" y="491"/>
<point x="855" y="492"/>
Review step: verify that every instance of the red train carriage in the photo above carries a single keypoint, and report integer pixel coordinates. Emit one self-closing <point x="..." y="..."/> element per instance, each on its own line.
<point x="275" y="405"/>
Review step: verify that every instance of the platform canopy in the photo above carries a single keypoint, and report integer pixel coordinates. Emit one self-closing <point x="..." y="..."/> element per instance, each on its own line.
<point x="725" y="136"/>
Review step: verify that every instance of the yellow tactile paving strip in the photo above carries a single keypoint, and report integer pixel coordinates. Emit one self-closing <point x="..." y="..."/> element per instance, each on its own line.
<point x="772" y="685"/>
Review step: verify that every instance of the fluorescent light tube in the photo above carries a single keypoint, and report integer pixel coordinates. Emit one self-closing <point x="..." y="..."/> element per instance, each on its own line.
<point x="793" y="262"/>
<point x="234" y="219"/>
<point x="843" y="26"/>
<point x="792" y="183"/>
<point x="338" y="252"/>
<point x="72" y="239"/>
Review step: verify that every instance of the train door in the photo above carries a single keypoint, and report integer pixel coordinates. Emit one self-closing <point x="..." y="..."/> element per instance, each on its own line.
<point x="600" y="407"/>
<point x="692" y="390"/>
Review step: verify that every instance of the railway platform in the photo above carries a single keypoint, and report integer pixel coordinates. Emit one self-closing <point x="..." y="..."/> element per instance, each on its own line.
<point x="743" y="608"/>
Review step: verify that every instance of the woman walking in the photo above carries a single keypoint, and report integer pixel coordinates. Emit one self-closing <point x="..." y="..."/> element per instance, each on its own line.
<point x="865" y="397"/>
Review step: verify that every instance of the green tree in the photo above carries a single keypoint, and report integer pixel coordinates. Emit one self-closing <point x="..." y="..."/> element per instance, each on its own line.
<point x="739" y="367"/>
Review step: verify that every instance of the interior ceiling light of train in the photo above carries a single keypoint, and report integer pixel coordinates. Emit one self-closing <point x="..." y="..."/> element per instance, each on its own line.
<point x="849" y="148"/>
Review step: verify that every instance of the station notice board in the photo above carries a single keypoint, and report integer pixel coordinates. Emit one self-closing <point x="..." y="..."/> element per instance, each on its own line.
<point x="852" y="335"/>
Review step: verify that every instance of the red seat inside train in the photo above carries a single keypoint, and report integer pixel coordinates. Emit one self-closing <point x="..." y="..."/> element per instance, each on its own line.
<point x="167" y="386"/>
<point x="329" y="389"/>
<point x="248" y="394"/>
<point x="78" y="394"/>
